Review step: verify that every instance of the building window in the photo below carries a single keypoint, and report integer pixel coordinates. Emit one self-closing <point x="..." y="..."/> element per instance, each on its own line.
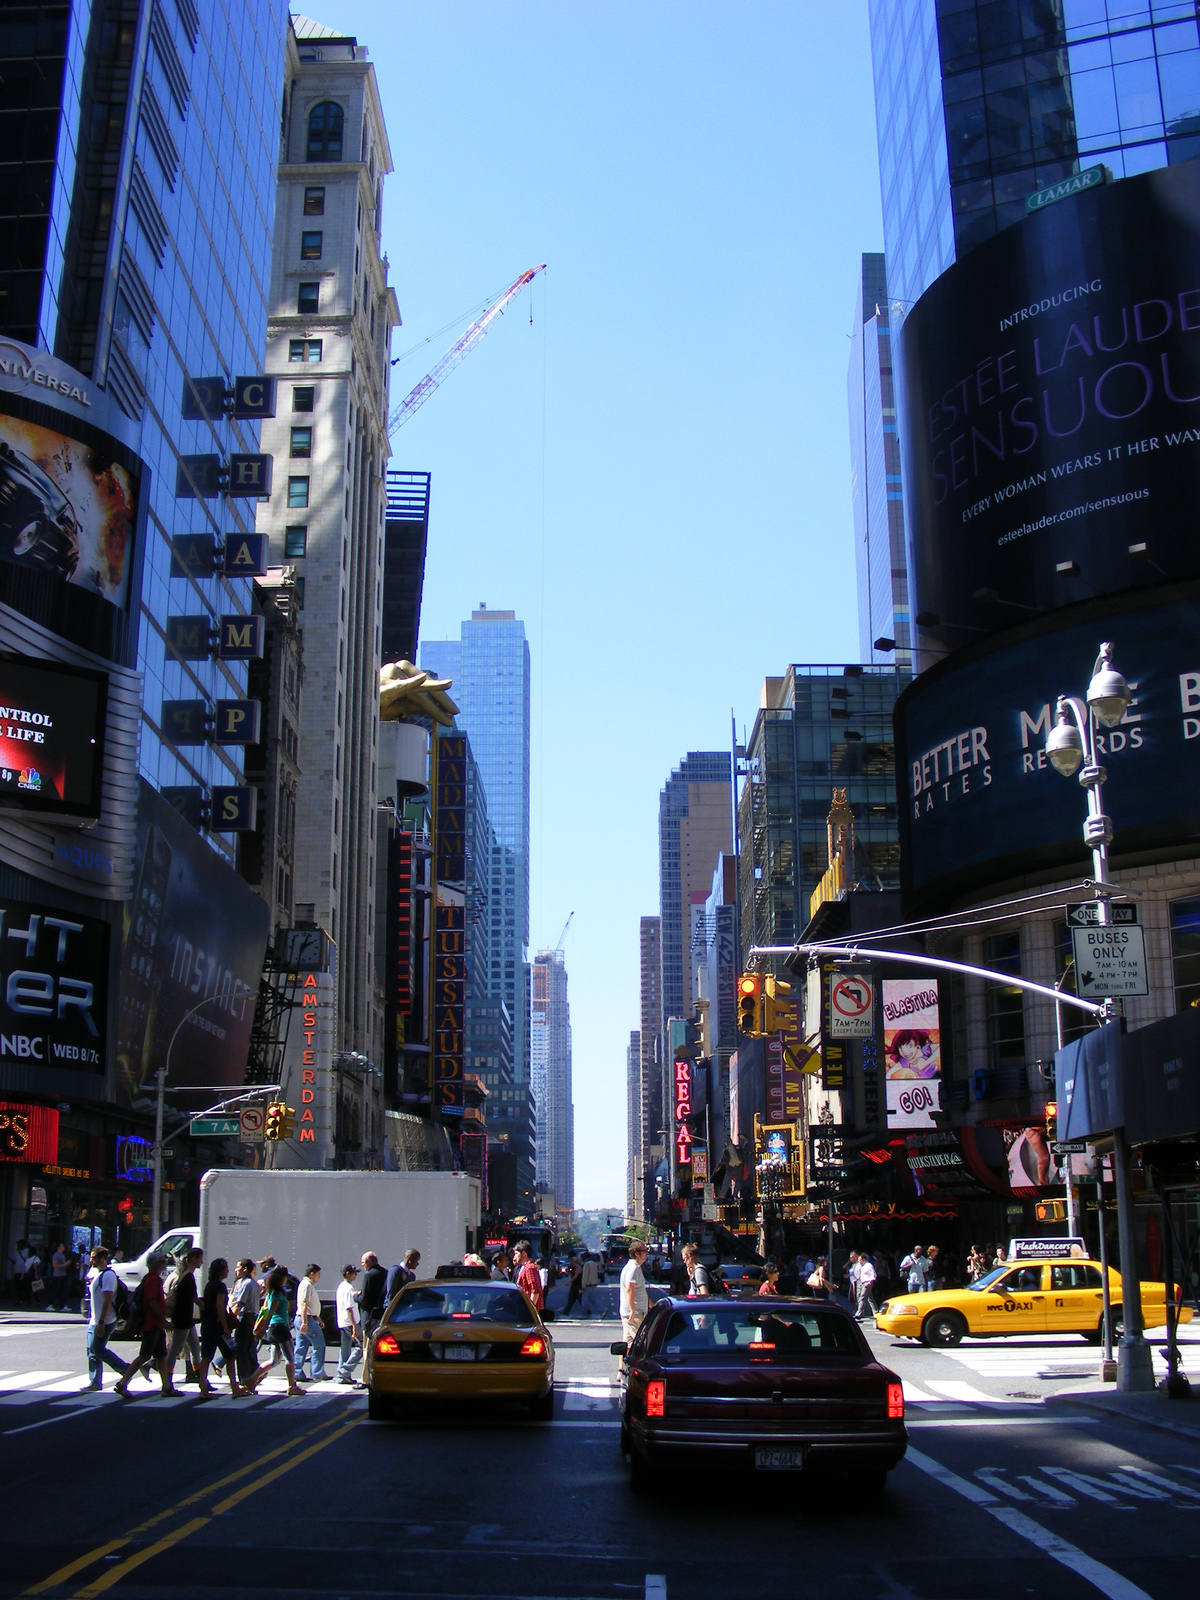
<point x="310" y="246"/>
<point x="314" y="202"/>
<point x="304" y="350"/>
<point x="1005" y="1009"/>
<point x="297" y="492"/>
<point x="325" y="132"/>
<point x="1185" y="951"/>
<point x="302" y="398"/>
<point x="301" y="446"/>
<point x="308" y="297"/>
<point x="295" y="543"/>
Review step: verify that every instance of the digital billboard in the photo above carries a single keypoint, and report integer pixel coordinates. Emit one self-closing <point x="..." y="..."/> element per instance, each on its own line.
<point x="912" y="1051"/>
<point x="978" y="800"/>
<point x="53" y="987"/>
<point x="1050" y="409"/>
<point x="51" y="736"/>
<point x="68" y="499"/>
<point x="194" y="937"/>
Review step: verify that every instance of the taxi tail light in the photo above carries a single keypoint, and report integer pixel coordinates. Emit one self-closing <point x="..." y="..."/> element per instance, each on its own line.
<point x="656" y="1398"/>
<point x="460" y="1316"/>
<point x="536" y="1346"/>
<point x="895" y="1400"/>
<point x="387" y="1345"/>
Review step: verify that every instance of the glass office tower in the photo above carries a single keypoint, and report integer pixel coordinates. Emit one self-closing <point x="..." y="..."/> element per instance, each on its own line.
<point x="981" y="102"/>
<point x="489" y="664"/>
<point x="138" y="151"/>
<point x="881" y="565"/>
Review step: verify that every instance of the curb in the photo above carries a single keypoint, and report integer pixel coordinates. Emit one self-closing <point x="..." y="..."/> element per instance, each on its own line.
<point x="1159" y="1425"/>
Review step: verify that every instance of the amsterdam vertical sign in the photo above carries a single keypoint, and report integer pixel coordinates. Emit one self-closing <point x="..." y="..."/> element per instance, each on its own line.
<point x="450" y="933"/>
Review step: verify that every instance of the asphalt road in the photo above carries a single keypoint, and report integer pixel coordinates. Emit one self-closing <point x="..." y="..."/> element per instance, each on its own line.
<point x="1000" y="1496"/>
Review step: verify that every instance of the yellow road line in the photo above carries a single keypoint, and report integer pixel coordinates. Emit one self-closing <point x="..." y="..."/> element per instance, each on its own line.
<point x="115" y="1574"/>
<point x="269" y="1477"/>
<point x="66" y="1573"/>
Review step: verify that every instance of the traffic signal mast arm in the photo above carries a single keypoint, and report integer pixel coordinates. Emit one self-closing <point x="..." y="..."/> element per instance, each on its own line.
<point x="849" y="952"/>
<point x="416" y="398"/>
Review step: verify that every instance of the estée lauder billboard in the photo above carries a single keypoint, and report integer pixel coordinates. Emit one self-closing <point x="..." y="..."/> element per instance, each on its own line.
<point x="1050" y="395"/>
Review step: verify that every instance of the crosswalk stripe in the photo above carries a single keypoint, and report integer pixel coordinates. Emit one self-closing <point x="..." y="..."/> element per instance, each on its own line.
<point x="954" y="1390"/>
<point x="912" y="1394"/>
<point x="30" y="1380"/>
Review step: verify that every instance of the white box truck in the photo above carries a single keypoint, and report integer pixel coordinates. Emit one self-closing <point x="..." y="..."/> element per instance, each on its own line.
<point x="327" y="1217"/>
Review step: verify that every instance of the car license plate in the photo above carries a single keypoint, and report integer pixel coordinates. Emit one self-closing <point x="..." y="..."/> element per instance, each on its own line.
<point x="459" y="1352"/>
<point x="779" y="1458"/>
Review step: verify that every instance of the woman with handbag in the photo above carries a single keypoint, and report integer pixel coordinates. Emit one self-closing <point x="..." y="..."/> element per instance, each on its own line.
<point x="274" y="1329"/>
<point x="819" y="1282"/>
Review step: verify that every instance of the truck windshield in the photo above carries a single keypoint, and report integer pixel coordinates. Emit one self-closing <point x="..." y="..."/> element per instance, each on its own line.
<point x="485" y="1302"/>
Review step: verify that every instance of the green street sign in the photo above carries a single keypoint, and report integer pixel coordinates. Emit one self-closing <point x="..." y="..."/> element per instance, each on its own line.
<point x="214" y="1127"/>
<point x="1076" y="184"/>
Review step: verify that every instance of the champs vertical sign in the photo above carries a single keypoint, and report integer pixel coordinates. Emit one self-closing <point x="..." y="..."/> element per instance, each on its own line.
<point x="450" y="929"/>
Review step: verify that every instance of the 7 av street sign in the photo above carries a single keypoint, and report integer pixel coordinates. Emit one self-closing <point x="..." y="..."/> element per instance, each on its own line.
<point x="214" y="1127"/>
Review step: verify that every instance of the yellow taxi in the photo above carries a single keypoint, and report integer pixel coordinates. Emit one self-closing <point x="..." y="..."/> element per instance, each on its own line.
<point x="460" y="1339"/>
<point x="1031" y="1296"/>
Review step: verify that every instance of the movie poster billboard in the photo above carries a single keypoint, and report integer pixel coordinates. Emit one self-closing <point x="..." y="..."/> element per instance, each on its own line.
<point x="68" y="498"/>
<point x="194" y="937"/>
<point x="911" y="1051"/>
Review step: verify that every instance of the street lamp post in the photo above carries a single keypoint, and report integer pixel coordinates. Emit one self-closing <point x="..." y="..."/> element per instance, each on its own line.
<point x="160" y="1078"/>
<point x="1072" y="747"/>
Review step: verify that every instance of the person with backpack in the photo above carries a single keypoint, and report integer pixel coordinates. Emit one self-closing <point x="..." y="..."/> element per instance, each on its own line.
<point x="914" y="1269"/>
<point x="180" y="1295"/>
<point x="103" y="1285"/>
<point x="698" y="1275"/>
<point x="147" y="1316"/>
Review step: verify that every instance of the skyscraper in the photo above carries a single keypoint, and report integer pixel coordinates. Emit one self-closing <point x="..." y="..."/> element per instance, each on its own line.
<point x="332" y="312"/>
<point x="649" y="1101"/>
<point x="875" y="479"/>
<point x="633" y="1124"/>
<point x="694" y="827"/>
<point x="550" y="1058"/>
<point x="489" y="664"/>
<point x="982" y="102"/>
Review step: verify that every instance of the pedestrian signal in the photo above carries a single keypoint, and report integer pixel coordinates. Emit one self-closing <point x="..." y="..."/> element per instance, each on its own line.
<point x="1051" y="1210"/>
<point x="750" y="1003"/>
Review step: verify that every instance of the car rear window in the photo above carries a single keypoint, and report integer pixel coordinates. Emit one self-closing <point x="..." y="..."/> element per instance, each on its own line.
<point x="743" y="1326"/>
<point x="436" y="1302"/>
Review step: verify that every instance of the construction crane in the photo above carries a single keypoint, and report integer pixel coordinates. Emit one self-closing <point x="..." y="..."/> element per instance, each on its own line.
<point x="416" y="398"/>
<point x="562" y="938"/>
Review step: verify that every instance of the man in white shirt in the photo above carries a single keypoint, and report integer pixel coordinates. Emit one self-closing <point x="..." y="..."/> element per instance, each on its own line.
<point x="865" y="1286"/>
<point x="101" y="1286"/>
<point x="349" y="1326"/>
<point x="634" y="1299"/>
<point x="310" y="1333"/>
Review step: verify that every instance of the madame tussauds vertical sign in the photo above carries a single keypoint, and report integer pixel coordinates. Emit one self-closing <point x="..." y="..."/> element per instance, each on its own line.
<point x="450" y="927"/>
<point x="1050" y="401"/>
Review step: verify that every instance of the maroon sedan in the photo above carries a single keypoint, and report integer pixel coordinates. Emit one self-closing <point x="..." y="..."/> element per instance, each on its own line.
<point x="769" y="1384"/>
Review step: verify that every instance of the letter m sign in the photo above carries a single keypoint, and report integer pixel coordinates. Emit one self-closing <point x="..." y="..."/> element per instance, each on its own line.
<point x="241" y="638"/>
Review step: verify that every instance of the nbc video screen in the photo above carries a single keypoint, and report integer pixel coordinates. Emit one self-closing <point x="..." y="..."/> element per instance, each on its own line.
<point x="51" y="736"/>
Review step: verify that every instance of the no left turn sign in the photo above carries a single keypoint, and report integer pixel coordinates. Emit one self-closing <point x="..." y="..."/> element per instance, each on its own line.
<point x="851" y="1006"/>
<point x="250" y="1124"/>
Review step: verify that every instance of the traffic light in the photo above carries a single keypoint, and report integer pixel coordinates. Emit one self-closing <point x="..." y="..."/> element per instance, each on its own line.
<point x="778" y="1015"/>
<point x="1051" y="1210"/>
<point x="750" y="1004"/>
<point x="280" y="1121"/>
<point x="1051" y="1118"/>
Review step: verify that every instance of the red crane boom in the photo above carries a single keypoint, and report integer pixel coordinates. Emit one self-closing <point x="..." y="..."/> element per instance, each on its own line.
<point x="416" y="398"/>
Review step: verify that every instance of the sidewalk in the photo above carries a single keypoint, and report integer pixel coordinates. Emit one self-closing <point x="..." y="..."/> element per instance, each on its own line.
<point x="40" y="1314"/>
<point x="1153" y="1410"/>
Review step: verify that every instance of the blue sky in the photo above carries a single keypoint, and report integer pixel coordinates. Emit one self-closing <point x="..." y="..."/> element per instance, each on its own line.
<point x="655" y="475"/>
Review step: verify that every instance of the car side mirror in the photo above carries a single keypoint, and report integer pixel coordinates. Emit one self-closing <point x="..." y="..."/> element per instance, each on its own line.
<point x="620" y="1348"/>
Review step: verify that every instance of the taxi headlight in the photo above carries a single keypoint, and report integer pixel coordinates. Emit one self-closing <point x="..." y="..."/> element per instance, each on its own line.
<point x="905" y="1311"/>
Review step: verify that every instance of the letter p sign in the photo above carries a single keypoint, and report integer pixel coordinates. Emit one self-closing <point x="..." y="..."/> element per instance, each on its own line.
<point x="238" y="721"/>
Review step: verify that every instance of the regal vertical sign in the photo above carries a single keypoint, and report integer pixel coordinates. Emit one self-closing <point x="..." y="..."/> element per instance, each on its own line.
<point x="450" y="929"/>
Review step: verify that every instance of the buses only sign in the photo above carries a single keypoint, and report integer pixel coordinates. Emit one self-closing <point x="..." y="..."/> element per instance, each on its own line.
<point x="1109" y="961"/>
<point x="851" y="1006"/>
